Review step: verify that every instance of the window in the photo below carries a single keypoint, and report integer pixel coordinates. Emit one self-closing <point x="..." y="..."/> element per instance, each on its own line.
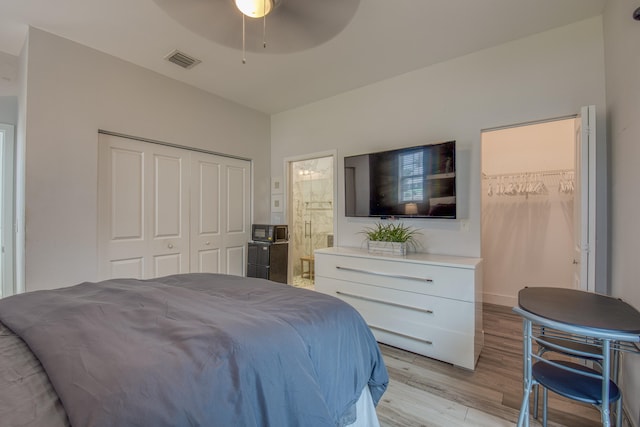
<point x="411" y="177"/>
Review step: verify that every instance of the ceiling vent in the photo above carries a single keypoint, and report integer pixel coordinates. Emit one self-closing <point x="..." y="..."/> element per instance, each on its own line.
<point x="182" y="59"/>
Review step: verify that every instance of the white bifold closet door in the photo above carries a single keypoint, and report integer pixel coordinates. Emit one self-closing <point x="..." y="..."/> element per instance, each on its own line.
<point x="164" y="210"/>
<point x="220" y="191"/>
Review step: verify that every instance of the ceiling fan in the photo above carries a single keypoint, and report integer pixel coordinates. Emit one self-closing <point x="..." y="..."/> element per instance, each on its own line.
<point x="290" y="25"/>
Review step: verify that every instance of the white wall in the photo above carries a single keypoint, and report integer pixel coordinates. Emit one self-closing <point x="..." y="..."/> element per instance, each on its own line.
<point x="622" y="36"/>
<point x="20" y="169"/>
<point x="72" y="91"/>
<point x="9" y="81"/>
<point x="9" y="110"/>
<point x="547" y="75"/>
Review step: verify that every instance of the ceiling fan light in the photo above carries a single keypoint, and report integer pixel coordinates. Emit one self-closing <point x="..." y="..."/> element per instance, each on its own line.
<point x="255" y="8"/>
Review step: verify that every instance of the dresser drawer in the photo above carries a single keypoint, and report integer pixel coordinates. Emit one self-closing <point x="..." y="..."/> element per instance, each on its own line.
<point x="445" y="332"/>
<point x="451" y="347"/>
<point x="402" y="310"/>
<point x="448" y="282"/>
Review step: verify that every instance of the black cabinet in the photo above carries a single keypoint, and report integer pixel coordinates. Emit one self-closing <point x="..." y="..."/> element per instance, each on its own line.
<point x="268" y="261"/>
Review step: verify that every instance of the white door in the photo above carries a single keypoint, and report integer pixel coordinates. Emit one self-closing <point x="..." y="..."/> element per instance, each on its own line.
<point x="584" y="200"/>
<point x="237" y="215"/>
<point x="169" y="213"/>
<point x="220" y="214"/>
<point x="143" y="209"/>
<point x="165" y="210"/>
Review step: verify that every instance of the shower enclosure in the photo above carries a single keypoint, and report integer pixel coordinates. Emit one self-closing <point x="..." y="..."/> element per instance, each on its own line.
<point x="311" y="215"/>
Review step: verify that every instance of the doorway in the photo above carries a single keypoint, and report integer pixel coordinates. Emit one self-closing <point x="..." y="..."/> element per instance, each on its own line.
<point x="529" y="190"/>
<point x="311" y="212"/>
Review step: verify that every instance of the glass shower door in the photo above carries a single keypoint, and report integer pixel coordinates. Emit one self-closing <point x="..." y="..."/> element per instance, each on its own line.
<point x="312" y="215"/>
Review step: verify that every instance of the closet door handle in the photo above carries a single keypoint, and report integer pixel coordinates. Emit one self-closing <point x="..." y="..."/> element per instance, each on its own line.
<point x="170" y="245"/>
<point x="377" y="273"/>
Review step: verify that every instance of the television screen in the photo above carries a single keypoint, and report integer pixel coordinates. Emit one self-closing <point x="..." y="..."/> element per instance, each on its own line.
<point x="418" y="182"/>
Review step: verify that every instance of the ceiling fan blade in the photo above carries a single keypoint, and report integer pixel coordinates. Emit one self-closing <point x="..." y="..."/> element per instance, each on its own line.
<point x="294" y="25"/>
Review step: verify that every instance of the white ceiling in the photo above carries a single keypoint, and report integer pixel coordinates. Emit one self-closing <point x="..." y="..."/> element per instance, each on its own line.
<point x="384" y="39"/>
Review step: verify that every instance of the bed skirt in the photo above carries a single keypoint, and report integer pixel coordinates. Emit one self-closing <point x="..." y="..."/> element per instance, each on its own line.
<point x="366" y="411"/>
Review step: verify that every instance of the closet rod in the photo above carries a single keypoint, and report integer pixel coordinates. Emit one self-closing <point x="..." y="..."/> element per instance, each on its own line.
<point x="543" y="173"/>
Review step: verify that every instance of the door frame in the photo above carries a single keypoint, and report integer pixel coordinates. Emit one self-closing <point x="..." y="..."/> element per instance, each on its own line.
<point x="287" y="161"/>
<point x="7" y="258"/>
<point x="587" y="117"/>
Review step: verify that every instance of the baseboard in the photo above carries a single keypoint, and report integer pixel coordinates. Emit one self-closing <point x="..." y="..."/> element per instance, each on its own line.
<point x="630" y="384"/>
<point x="505" y="300"/>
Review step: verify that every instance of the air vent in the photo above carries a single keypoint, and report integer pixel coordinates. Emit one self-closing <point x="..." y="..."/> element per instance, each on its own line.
<point x="182" y="59"/>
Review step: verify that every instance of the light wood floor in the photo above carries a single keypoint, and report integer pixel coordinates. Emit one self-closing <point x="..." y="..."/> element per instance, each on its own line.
<point x="425" y="392"/>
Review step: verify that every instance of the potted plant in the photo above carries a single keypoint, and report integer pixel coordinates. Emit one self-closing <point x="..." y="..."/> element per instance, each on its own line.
<point x="391" y="238"/>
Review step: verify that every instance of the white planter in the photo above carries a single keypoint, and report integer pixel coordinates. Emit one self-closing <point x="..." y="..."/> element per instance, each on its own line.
<point x="387" y="248"/>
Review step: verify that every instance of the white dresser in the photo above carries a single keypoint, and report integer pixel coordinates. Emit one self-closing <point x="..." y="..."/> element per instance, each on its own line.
<point x="427" y="304"/>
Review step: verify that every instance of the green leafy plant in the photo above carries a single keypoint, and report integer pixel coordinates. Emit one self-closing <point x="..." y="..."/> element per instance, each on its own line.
<point x="392" y="232"/>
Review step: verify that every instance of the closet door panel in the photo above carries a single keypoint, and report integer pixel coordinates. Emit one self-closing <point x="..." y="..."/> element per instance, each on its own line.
<point x="206" y="213"/>
<point x="165" y="265"/>
<point x="168" y="197"/>
<point x="209" y="197"/>
<point x="127" y="204"/>
<point x="169" y="246"/>
<point x="209" y="261"/>
<point x="237" y="214"/>
<point x="220" y="189"/>
<point x="236" y="176"/>
<point x="143" y="210"/>
<point x="122" y="225"/>
<point x="133" y="267"/>
<point x="236" y="260"/>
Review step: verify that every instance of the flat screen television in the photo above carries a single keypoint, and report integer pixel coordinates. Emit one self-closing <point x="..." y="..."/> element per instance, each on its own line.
<point x="414" y="182"/>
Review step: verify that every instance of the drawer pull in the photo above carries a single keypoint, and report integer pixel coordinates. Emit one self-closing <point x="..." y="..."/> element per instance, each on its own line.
<point x="384" y="302"/>
<point x="377" y="273"/>
<point x="402" y="335"/>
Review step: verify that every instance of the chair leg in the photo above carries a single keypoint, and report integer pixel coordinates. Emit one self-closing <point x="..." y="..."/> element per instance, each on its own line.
<point x="535" y="401"/>
<point x="619" y="412"/>
<point x="544" y="406"/>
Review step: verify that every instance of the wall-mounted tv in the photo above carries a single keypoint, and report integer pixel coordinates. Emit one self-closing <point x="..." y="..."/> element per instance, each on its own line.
<point x="414" y="182"/>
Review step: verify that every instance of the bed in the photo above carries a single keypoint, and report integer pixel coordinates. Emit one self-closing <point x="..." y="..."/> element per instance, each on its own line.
<point x="186" y="350"/>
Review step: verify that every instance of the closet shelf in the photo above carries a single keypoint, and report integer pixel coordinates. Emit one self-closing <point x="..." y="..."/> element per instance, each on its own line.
<point x="528" y="173"/>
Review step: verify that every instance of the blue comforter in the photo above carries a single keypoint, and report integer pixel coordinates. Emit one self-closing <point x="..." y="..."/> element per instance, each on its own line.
<point x="199" y="350"/>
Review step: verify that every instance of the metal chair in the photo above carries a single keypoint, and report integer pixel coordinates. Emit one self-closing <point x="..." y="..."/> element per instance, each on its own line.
<point x="608" y="325"/>
<point x="583" y="348"/>
<point x="568" y="378"/>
